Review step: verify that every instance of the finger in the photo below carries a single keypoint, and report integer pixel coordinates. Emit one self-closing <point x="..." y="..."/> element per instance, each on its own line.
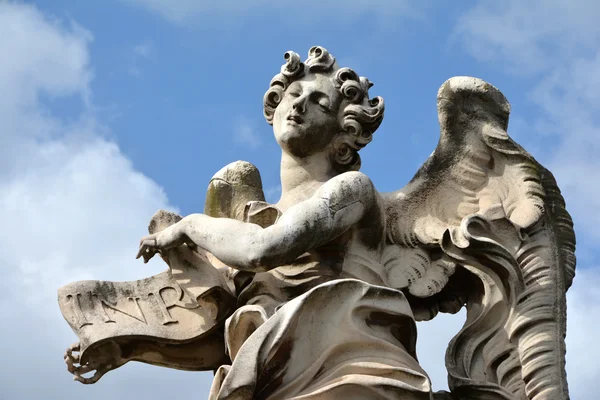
<point x="149" y="241"/>
<point x="85" y="381"/>
<point x="143" y="246"/>
<point x="99" y="374"/>
<point x="144" y="238"/>
<point x="147" y="244"/>
<point x="73" y="369"/>
<point x="140" y="252"/>
<point x="88" y="381"/>
<point x="70" y="366"/>
<point x="74" y="347"/>
<point x="71" y="360"/>
<point x="144" y="249"/>
<point x="84" y="369"/>
<point x="76" y="358"/>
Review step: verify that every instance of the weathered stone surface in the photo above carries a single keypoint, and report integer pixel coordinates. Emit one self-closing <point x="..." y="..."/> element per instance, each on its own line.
<point x="316" y="297"/>
<point x="117" y="322"/>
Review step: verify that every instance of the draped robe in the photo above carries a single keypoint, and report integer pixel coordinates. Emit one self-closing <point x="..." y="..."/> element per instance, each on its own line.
<point x="321" y="329"/>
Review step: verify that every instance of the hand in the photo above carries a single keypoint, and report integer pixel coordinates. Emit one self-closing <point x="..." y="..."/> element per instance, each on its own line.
<point x="78" y="370"/>
<point x="166" y="239"/>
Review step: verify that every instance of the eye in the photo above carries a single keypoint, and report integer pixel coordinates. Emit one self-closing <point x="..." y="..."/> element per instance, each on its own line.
<point x="294" y="91"/>
<point x="324" y="103"/>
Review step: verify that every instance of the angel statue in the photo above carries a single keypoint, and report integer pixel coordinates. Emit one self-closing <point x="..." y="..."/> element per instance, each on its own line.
<point x="316" y="297"/>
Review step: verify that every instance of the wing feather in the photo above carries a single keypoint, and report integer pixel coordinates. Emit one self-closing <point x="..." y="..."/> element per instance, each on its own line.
<point x="501" y="224"/>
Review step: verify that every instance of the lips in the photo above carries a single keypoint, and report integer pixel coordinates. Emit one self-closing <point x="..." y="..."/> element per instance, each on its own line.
<point x="294" y="118"/>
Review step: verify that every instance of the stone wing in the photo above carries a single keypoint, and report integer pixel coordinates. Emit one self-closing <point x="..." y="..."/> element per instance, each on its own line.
<point x="483" y="225"/>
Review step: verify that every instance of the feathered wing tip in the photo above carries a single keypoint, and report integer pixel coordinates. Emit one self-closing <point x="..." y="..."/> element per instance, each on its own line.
<point x="231" y="189"/>
<point x="497" y="220"/>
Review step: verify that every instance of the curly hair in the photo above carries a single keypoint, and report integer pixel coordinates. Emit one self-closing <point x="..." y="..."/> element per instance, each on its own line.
<point x="361" y="116"/>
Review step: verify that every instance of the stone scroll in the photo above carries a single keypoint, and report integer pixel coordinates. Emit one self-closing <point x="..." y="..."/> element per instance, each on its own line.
<point x="150" y="319"/>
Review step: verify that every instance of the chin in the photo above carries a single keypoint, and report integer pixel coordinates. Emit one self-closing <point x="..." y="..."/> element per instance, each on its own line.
<point x="294" y="143"/>
<point x="289" y="134"/>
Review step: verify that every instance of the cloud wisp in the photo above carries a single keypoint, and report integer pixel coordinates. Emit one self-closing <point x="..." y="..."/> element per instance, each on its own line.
<point x="72" y="206"/>
<point x="195" y="13"/>
<point x="554" y="45"/>
<point x="142" y="52"/>
<point x="245" y="134"/>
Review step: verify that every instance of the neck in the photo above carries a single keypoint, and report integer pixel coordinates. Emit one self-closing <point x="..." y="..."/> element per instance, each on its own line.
<point x="301" y="177"/>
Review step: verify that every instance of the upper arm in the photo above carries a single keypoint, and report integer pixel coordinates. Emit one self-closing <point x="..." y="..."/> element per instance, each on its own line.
<point x="349" y="197"/>
<point x="346" y="189"/>
<point x="337" y="206"/>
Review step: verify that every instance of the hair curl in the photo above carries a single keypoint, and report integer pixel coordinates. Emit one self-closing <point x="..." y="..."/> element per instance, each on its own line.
<point x="361" y="116"/>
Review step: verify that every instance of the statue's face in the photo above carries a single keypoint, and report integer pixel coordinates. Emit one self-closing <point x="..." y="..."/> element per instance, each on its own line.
<point x="307" y="118"/>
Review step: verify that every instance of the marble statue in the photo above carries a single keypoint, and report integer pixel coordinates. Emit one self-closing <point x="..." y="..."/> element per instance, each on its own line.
<point x="316" y="297"/>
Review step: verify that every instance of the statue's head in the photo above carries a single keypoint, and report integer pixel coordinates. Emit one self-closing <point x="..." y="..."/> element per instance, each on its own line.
<point x="316" y="106"/>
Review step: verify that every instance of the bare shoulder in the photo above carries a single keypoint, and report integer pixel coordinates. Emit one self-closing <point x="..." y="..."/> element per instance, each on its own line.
<point x="347" y="188"/>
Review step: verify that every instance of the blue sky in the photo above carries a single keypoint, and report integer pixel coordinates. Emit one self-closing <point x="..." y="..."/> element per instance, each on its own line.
<point x="111" y="110"/>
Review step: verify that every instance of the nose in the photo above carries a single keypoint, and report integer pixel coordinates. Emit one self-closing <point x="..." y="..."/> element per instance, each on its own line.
<point x="299" y="104"/>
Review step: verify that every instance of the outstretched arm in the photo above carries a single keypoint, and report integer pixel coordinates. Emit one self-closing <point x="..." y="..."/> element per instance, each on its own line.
<point x="337" y="206"/>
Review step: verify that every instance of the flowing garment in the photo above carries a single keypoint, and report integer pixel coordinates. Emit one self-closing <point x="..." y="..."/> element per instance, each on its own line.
<point x="343" y="339"/>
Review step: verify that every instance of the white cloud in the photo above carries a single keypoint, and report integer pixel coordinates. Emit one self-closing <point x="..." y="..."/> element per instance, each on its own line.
<point x="245" y="134"/>
<point x="141" y="52"/>
<point x="31" y="69"/>
<point x="71" y="205"/>
<point x="583" y="324"/>
<point x="530" y="36"/>
<point x="145" y="49"/>
<point x="554" y="44"/>
<point x="189" y="11"/>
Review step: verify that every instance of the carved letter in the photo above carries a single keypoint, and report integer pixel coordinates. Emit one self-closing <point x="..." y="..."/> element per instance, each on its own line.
<point x="80" y="320"/>
<point x="162" y="306"/>
<point x="102" y="303"/>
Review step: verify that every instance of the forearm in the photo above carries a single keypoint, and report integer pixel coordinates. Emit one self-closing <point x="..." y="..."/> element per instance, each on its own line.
<point x="249" y="247"/>
<point x="225" y="238"/>
<point x="338" y="206"/>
